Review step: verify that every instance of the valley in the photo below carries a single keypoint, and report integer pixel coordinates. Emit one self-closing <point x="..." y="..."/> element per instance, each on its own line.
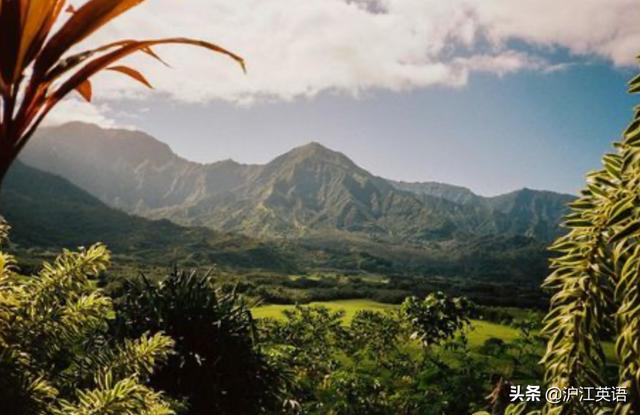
<point x="311" y="211"/>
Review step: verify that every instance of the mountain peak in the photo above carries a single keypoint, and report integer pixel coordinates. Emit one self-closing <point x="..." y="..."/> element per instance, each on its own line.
<point x="87" y="127"/>
<point x="314" y="152"/>
<point x="310" y="188"/>
<point x="313" y="147"/>
<point x="101" y="142"/>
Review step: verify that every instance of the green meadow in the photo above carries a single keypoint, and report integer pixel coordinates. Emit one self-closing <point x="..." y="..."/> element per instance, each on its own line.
<point x="479" y="333"/>
<point x="350" y="308"/>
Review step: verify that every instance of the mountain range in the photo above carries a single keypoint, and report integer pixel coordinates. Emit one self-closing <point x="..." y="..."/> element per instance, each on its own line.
<point x="309" y="210"/>
<point x="48" y="212"/>
<point x="307" y="193"/>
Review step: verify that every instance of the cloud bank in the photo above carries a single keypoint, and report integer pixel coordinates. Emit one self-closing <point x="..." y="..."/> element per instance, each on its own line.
<point x="298" y="48"/>
<point x="75" y="109"/>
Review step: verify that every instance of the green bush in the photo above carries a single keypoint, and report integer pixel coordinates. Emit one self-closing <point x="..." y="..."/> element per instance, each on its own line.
<point x="55" y="353"/>
<point x="381" y="363"/>
<point x="217" y="367"/>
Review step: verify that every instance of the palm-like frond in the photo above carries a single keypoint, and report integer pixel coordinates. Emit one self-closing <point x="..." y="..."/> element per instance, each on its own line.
<point x="36" y="70"/>
<point x="55" y="355"/>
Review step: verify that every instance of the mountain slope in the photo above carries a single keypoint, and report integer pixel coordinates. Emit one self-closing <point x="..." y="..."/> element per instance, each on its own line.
<point x="529" y="212"/>
<point x="309" y="190"/>
<point x="312" y="189"/>
<point x="532" y="213"/>
<point x="456" y="194"/>
<point x="129" y="170"/>
<point x="47" y="211"/>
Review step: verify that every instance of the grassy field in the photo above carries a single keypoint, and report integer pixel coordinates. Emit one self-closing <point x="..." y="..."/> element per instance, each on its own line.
<point x="350" y="308"/>
<point x="480" y="331"/>
<point x="478" y="334"/>
<point x="483" y="330"/>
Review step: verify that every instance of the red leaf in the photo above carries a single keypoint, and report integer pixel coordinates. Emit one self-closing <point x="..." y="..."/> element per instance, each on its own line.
<point x="128" y="47"/>
<point x="151" y="53"/>
<point x="90" y="17"/>
<point x="85" y="90"/>
<point x="132" y="73"/>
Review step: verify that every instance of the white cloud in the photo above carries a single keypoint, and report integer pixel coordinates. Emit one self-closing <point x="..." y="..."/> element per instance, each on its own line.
<point x="606" y="28"/>
<point x="298" y="48"/>
<point x="72" y="109"/>
<point x="500" y="64"/>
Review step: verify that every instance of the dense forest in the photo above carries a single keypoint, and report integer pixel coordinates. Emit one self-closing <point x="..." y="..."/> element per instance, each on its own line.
<point x="69" y="348"/>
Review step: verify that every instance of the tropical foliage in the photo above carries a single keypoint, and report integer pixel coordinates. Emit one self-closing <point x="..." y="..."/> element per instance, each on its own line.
<point x="216" y="367"/>
<point x="183" y="345"/>
<point x="55" y="353"/>
<point x="37" y="69"/>
<point x="595" y="279"/>
<point x="379" y="363"/>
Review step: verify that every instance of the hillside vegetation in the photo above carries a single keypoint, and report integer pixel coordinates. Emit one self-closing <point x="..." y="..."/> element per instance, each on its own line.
<point x="48" y="212"/>
<point x="306" y="191"/>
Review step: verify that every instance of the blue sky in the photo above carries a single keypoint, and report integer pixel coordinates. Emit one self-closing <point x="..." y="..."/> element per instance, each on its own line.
<point x="495" y="135"/>
<point x="494" y="95"/>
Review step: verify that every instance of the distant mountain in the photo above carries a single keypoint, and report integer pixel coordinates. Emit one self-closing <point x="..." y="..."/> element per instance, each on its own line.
<point x="532" y="213"/>
<point x="126" y="169"/>
<point x="306" y="192"/>
<point x="47" y="211"/>
<point x="457" y="194"/>
<point x="529" y="212"/>
<point x="311" y="189"/>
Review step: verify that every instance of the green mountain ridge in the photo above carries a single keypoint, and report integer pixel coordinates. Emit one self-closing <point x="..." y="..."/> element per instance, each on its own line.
<point x="457" y="194"/>
<point x="532" y="213"/>
<point x="313" y="189"/>
<point x="306" y="191"/>
<point x="47" y="211"/>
